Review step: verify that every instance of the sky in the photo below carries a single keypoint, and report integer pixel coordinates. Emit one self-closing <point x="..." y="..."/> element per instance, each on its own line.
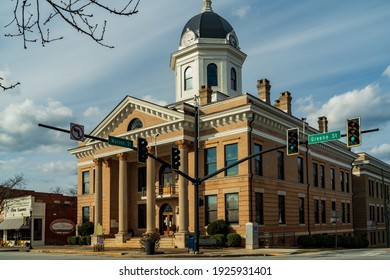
<point x="333" y="56"/>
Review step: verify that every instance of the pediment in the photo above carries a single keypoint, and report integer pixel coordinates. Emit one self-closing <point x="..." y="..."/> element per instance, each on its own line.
<point x="150" y="114"/>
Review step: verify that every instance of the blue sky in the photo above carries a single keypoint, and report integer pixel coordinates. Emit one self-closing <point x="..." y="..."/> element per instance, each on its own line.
<point x="333" y="56"/>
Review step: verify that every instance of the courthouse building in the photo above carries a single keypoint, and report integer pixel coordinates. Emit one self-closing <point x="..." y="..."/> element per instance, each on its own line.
<point x="287" y="196"/>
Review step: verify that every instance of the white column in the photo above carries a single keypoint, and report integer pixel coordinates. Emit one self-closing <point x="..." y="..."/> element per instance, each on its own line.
<point x="98" y="193"/>
<point x="183" y="188"/>
<point x="122" y="232"/>
<point x="150" y="195"/>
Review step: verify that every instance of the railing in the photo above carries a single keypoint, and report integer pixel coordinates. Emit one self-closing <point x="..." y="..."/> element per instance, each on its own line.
<point x="163" y="191"/>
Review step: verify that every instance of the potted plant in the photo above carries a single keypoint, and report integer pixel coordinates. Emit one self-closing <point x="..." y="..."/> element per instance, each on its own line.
<point x="151" y="242"/>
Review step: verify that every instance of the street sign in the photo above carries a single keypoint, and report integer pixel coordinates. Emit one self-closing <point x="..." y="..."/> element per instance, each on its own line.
<point x="324" y="137"/>
<point x="77" y="132"/>
<point x="116" y="141"/>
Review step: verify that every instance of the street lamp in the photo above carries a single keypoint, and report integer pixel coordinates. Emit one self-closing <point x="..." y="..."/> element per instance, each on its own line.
<point x="31" y="228"/>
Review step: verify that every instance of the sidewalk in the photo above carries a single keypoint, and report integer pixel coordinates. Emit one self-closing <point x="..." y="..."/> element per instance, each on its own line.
<point x="165" y="253"/>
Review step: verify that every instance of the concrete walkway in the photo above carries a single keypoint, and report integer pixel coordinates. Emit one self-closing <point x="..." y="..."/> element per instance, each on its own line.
<point x="162" y="253"/>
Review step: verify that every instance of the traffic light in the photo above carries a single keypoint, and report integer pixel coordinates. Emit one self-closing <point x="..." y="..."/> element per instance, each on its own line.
<point x="175" y="158"/>
<point x="292" y="141"/>
<point x="142" y="149"/>
<point x="353" y="132"/>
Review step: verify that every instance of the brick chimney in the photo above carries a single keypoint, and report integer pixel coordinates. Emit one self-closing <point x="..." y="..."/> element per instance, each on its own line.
<point x="264" y="90"/>
<point x="284" y="102"/>
<point x="323" y="124"/>
<point x="205" y="95"/>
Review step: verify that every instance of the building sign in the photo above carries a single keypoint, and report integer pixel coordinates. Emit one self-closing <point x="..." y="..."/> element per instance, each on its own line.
<point x="62" y="226"/>
<point x="17" y="207"/>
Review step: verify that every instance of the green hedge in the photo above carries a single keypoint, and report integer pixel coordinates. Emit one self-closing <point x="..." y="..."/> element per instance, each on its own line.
<point x="329" y="241"/>
<point x="233" y="240"/>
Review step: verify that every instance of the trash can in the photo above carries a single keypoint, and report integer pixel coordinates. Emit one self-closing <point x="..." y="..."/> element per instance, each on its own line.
<point x="191" y="243"/>
<point x="149" y="247"/>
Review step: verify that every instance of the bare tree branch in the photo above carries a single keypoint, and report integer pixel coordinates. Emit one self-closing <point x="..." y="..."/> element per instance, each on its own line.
<point x="29" y="18"/>
<point x="7" y="87"/>
<point x="8" y="185"/>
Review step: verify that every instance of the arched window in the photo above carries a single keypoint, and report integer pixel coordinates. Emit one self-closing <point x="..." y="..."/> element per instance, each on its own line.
<point x="212" y="75"/>
<point x="166" y="176"/>
<point x="134" y="124"/>
<point x="233" y="79"/>
<point x="188" y="78"/>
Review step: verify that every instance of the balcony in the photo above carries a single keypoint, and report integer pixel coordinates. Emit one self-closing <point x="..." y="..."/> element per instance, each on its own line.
<point x="163" y="192"/>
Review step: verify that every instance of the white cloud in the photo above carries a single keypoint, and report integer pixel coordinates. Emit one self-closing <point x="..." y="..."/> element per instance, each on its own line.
<point x="368" y="103"/>
<point x="59" y="167"/>
<point x="19" y="125"/>
<point x="381" y="151"/>
<point x="386" y="73"/>
<point x="242" y="11"/>
<point x="92" y="111"/>
<point x="152" y="99"/>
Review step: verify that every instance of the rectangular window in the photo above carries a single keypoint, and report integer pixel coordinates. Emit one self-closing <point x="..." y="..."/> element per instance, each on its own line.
<point x="300" y="170"/>
<point x="343" y="212"/>
<point x="231" y="156"/>
<point x="85" y="182"/>
<point x="85" y="214"/>
<point x="259" y="205"/>
<point x="334" y="213"/>
<point x="347" y="182"/>
<point x="316" y="211"/>
<point x="141" y="215"/>
<point x="142" y="179"/>
<point x="280" y="165"/>
<point x="332" y="179"/>
<point x="282" y="209"/>
<point x="38" y="229"/>
<point x="322" y="176"/>
<point x="348" y="213"/>
<point x="315" y="174"/>
<point x="258" y="160"/>
<point x="342" y="181"/>
<point x="211" y="208"/>
<point x="323" y="211"/>
<point x="301" y="206"/>
<point x="210" y="156"/>
<point x="231" y="208"/>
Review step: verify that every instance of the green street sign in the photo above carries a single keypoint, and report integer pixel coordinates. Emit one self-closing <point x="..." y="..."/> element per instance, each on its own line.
<point x="324" y="137"/>
<point x="116" y="141"/>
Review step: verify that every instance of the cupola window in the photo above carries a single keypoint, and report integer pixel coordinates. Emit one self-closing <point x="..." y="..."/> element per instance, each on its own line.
<point x="134" y="124"/>
<point x="233" y="79"/>
<point x="212" y="75"/>
<point x="188" y="78"/>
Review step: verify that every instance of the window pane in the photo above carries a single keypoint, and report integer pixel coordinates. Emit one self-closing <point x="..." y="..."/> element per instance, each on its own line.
<point x="258" y="160"/>
<point x="85" y="182"/>
<point x="233" y="79"/>
<point x="211" y="208"/>
<point x="210" y="160"/>
<point x="231" y="205"/>
<point x="231" y="156"/>
<point x="188" y="78"/>
<point x="212" y="76"/>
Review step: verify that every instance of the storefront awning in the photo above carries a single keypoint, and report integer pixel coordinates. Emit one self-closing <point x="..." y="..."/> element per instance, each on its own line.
<point x="11" y="224"/>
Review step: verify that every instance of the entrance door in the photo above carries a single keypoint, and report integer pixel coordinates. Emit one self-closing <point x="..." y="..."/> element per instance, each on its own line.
<point x="166" y="219"/>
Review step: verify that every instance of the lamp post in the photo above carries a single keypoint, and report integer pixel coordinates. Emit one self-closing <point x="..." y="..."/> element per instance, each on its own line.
<point x="31" y="228"/>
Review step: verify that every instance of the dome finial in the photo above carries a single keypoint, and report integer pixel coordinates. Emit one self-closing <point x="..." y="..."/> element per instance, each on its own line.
<point x="207" y="6"/>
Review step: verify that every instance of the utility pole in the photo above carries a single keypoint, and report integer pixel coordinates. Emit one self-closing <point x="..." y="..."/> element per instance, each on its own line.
<point x="196" y="174"/>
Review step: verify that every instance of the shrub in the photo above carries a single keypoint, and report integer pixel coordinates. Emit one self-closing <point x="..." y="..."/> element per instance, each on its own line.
<point x="218" y="227"/>
<point x="86" y="229"/>
<point x="73" y="240"/>
<point x="306" y="241"/>
<point x="221" y="239"/>
<point x="233" y="240"/>
<point x="322" y="240"/>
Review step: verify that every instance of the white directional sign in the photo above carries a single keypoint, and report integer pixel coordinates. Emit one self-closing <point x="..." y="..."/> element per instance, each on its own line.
<point x="77" y="132"/>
